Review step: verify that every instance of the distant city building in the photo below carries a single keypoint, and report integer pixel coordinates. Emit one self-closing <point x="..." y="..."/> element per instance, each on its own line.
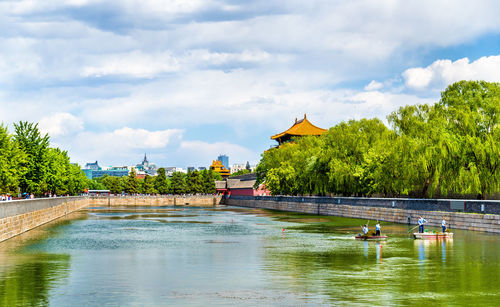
<point x="202" y="168"/>
<point x="191" y="168"/>
<point x="170" y="170"/>
<point x="93" y="166"/>
<point x="93" y="170"/>
<point x="181" y="170"/>
<point x="218" y="167"/>
<point x="239" y="167"/>
<point x="115" y="173"/>
<point x="224" y="160"/>
<point x="146" y="167"/>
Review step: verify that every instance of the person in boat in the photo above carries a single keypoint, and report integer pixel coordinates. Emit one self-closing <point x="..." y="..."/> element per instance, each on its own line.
<point x="365" y="230"/>
<point x="377" y="229"/>
<point x="443" y="224"/>
<point x="421" y="222"/>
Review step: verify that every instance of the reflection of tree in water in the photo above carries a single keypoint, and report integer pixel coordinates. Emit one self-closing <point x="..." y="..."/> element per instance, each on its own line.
<point x="29" y="282"/>
<point x="411" y="271"/>
<point x="27" y="274"/>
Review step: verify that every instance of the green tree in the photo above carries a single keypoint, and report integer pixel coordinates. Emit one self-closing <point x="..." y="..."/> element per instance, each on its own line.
<point x="194" y="183"/>
<point x="35" y="146"/>
<point x="113" y="184"/>
<point x="148" y="185"/>
<point x="131" y="183"/>
<point x="161" y="182"/>
<point x="57" y="175"/>
<point x="240" y="172"/>
<point x="208" y="181"/>
<point x="94" y="184"/>
<point x="471" y="110"/>
<point x="178" y="183"/>
<point x="12" y="162"/>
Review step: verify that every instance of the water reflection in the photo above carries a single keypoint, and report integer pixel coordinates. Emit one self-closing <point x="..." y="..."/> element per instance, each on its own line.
<point x="29" y="282"/>
<point x="242" y="256"/>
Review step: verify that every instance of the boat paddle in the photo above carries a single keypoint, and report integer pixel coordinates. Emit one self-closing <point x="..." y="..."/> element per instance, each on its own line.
<point x="413" y="228"/>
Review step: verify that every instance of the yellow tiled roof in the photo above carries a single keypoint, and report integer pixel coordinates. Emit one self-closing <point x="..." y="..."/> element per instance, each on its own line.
<point x="301" y="127"/>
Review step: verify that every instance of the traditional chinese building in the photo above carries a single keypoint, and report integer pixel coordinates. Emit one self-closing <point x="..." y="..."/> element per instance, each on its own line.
<point x="300" y="128"/>
<point x="219" y="168"/>
<point x="242" y="185"/>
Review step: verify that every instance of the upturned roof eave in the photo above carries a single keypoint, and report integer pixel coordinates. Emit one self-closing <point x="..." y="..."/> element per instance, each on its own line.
<point x="300" y="126"/>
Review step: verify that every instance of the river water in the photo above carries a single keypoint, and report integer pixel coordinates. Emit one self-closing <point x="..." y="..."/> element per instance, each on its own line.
<point x="158" y="256"/>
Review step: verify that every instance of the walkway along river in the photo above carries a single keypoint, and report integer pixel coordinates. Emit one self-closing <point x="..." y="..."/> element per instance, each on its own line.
<point x="154" y="256"/>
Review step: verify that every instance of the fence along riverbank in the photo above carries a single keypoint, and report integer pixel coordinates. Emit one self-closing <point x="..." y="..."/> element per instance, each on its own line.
<point x="461" y="214"/>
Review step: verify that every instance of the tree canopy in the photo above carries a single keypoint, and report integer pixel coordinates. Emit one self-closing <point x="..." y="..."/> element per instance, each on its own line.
<point x="29" y="165"/>
<point x="450" y="148"/>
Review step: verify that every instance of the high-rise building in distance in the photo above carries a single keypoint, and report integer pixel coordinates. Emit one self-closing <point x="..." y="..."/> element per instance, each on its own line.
<point x="224" y="160"/>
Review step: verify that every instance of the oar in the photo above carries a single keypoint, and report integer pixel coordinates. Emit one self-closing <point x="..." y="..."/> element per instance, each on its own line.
<point x="413" y="228"/>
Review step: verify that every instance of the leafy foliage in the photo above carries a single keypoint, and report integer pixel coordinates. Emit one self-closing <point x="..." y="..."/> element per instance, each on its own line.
<point x="28" y="164"/>
<point x="451" y="147"/>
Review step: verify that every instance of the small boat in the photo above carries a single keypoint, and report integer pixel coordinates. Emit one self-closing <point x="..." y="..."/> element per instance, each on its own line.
<point x="370" y="238"/>
<point x="433" y="235"/>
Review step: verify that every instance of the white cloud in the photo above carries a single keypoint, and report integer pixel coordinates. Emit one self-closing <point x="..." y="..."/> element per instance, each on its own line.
<point x="128" y="138"/>
<point x="136" y="64"/>
<point x="60" y="125"/>
<point x="142" y="138"/>
<point x="443" y="72"/>
<point x="373" y="86"/>
<point x="150" y="69"/>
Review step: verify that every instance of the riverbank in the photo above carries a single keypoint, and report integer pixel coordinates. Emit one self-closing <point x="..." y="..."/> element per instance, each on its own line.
<point x="170" y="200"/>
<point x="459" y="214"/>
<point x="19" y="216"/>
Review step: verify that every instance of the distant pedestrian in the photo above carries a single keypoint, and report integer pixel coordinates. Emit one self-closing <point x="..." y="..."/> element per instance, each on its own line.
<point x="421" y="222"/>
<point x="443" y="224"/>
<point x="377" y="229"/>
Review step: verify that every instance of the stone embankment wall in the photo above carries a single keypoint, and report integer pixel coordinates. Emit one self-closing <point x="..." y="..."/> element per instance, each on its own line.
<point x="390" y="210"/>
<point x="20" y="216"/>
<point x="197" y="200"/>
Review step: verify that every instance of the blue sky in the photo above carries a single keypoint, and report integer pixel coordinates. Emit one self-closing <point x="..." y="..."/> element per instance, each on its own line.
<point x="185" y="80"/>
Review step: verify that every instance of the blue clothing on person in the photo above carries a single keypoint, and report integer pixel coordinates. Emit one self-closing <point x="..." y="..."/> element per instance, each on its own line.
<point x="421" y="222"/>
<point x="365" y="230"/>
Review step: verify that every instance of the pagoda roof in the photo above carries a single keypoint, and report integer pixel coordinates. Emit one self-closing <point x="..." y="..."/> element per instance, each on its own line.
<point x="301" y="127"/>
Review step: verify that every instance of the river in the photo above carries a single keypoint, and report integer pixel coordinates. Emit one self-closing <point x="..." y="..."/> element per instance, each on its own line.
<point x="226" y="256"/>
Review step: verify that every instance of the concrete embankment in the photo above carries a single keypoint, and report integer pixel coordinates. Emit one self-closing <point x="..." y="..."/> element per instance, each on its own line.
<point x="20" y="216"/>
<point x="195" y="200"/>
<point x="460" y="214"/>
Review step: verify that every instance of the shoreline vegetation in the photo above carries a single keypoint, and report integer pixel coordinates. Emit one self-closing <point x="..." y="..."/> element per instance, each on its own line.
<point x="448" y="149"/>
<point x="28" y="165"/>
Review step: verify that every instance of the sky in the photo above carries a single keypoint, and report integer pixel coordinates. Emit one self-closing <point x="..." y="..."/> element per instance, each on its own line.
<point x="187" y="80"/>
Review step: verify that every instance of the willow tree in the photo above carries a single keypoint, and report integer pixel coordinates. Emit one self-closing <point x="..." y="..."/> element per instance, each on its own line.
<point x="472" y="113"/>
<point x="423" y="151"/>
<point x="346" y="146"/>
